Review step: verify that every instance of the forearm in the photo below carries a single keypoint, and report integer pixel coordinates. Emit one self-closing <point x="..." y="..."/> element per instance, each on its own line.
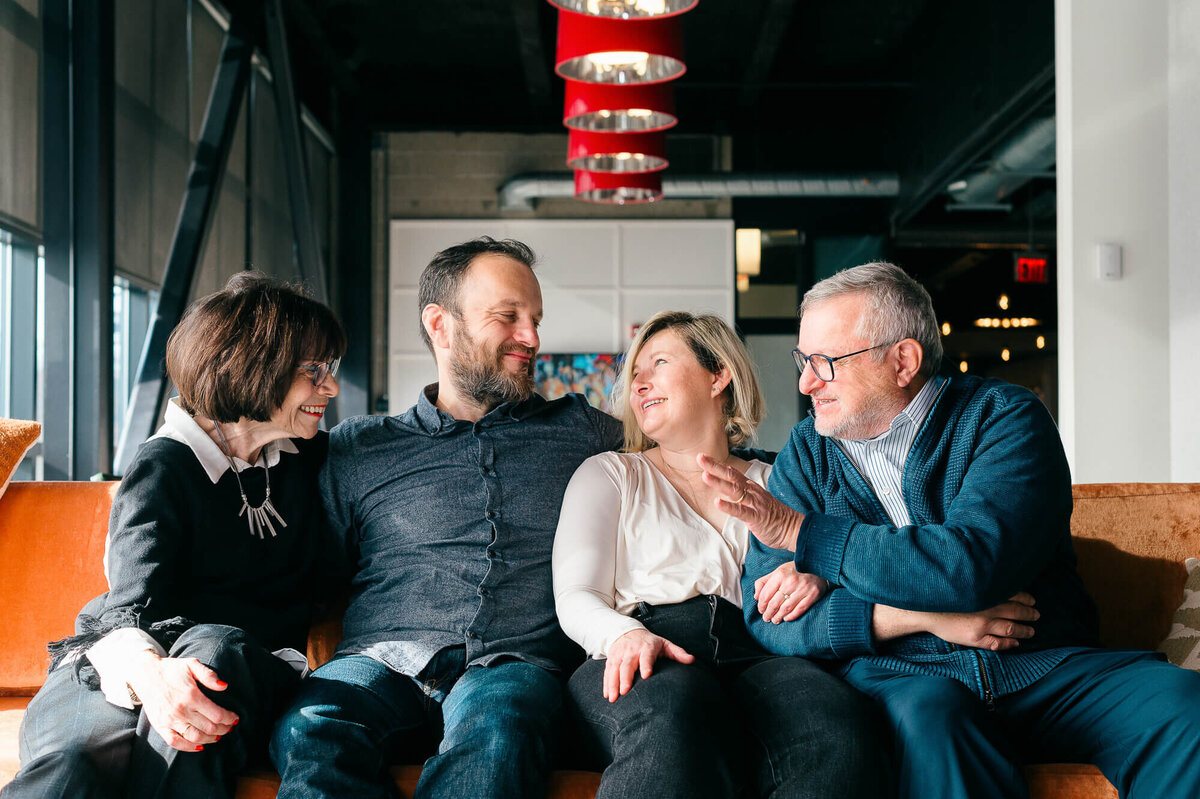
<point x="589" y="620"/>
<point x="118" y="660"/>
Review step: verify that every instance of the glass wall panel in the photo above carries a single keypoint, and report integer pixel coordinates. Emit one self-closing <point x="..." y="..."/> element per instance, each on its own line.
<point x="20" y="111"/>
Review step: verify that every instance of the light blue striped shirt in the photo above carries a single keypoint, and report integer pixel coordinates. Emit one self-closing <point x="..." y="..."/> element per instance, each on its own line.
<point x="880" y="460"/>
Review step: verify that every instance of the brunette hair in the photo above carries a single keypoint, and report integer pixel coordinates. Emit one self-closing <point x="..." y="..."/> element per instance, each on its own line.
<point x="442" y="278"/>
<point x="715" y="345"/>
<point x="235" y="353"/>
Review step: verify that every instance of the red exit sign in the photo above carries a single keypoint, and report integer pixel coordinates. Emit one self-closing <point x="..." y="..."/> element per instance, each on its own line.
<point x="1030" y="269"/>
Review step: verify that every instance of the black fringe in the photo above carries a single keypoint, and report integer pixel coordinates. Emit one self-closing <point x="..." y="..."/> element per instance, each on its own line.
<point x="91" y="629"/>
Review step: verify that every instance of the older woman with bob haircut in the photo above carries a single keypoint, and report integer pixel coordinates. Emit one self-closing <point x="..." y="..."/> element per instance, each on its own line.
<point x="215" y="543"/>
<point x="647" y="573"/>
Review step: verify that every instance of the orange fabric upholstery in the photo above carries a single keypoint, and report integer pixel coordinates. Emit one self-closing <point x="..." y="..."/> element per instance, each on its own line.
<point x="1132" y="539"/>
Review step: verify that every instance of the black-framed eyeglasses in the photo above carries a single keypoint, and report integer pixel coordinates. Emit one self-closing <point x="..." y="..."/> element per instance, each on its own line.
<point x="822" y="364"/>
<point x="320" y="371"/>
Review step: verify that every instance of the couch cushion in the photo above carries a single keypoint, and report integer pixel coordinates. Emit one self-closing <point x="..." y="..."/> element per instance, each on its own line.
<point x="1132" y="540"/>
<point x="16" y="437"/>
<point x="51" y="552"/>
<point x="1182" y="645"/>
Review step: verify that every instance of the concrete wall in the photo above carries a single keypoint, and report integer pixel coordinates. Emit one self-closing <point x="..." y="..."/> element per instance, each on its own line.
<point x="1128" y="140"/>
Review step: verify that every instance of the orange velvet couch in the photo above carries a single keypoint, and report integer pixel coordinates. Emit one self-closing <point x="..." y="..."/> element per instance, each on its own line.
<point x="1132" y="540"/>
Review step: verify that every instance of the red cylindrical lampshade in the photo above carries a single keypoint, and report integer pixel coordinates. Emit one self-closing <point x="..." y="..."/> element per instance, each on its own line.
<point x="626" y="9"/>
<point x="607" y="108"/>
<point x="617" y="152"/>
<point x="619" y="51"/>
<point x="619" y="189"/>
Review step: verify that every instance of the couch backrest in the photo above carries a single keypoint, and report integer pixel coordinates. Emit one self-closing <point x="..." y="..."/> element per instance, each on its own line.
<point x="51" y="551"/>
<point x="1132" y="539"/>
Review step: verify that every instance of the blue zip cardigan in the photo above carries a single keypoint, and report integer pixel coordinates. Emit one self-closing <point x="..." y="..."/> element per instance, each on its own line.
<point x="989" y="492"/>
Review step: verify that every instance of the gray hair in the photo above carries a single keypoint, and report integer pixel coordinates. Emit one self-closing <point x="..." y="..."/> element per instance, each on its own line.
<point x="898" y="307"/>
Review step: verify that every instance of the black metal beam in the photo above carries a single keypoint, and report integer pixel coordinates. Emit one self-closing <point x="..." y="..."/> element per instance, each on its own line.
<point x="533" y="55"/>
<point x="770" y="37"/>
<point x="56" y="238"/>
<point x="93" y="74"/>
<point x="191" y="228"/>
<point x="291" y="135"/>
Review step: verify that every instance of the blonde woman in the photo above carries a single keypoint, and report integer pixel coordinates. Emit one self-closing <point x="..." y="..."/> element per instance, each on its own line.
<point x="676" y="696"/>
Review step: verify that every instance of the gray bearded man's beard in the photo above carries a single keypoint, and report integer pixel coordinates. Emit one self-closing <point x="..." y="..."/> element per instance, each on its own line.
<point x="484" y="379"/>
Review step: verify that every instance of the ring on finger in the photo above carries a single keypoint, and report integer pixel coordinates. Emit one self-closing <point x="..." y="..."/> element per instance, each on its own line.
<point x="738" y="501"/>
<point x="787" y="596"/>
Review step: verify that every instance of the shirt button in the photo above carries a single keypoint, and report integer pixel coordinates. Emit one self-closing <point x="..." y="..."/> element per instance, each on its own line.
<point x="491" y="514"/>
<point x="472" y="634"/>
<point x="887" y="491"/>
<point x="483" y="592"/>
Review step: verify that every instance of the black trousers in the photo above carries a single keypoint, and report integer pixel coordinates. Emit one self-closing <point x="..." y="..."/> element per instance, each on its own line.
<point x="736" y="720"/>
<point x="75" y="744"/>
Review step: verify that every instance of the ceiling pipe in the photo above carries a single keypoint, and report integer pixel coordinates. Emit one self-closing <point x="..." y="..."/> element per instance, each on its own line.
<point x="521" y="192"/>
<point x="1027" y="155"/>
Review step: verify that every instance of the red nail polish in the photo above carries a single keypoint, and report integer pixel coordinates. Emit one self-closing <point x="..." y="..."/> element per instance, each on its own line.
<point x="199" y="748"/>
<point x="235" y="722"/>
<point x="222" y="684"/>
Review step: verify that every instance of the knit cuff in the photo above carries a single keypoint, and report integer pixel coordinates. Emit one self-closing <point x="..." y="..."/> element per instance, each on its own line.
<point x="849" y="622"/>
<point x="821" y="545"/>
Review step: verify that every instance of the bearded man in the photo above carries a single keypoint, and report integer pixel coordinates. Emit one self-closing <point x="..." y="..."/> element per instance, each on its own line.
<point x="449" y="511"/>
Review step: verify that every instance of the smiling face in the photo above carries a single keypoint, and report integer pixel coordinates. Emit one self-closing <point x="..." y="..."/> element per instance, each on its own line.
<point x="304" y="404"/>
<point x="674" y="398"/>
<point x="494" y="339"/>
<point x="862" y="399"/>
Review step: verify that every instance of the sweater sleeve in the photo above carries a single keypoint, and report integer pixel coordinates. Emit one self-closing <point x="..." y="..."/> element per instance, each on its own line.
<point x="1000" y="529"/>
<point x="336" y="478"/>
<point x="585" y="560"/>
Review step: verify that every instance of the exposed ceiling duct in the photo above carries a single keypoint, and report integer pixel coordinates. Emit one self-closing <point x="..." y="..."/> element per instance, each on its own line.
<point x="1028" y="155"/>
<point x="522" y="191"/>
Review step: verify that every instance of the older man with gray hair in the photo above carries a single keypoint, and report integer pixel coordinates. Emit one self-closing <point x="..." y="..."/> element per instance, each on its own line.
<point x="937" y="511"/>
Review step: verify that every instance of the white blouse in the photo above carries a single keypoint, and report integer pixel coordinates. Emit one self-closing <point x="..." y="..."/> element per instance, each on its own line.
<point x="626" y="535"/>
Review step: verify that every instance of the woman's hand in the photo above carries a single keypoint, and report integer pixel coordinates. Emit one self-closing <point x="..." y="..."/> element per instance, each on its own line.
<point x="786" y="594"/>
<point x="773" y="523"/>
<point x="636" y="651"/>
<point x="169" y="689"/>
<point x="999" y="628"/>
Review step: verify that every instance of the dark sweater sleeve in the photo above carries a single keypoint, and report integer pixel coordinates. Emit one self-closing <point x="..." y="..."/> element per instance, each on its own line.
<point x="1000" y="530"/>
<point x="338" y="476"/>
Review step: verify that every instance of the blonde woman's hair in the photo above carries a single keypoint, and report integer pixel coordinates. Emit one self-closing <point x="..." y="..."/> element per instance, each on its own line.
<point x="715" y="346"/>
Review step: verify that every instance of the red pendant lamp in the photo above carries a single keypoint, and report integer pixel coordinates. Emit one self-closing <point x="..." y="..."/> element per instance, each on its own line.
<point x="619" y="51"/>
<point x="618" y="188"/>
<point x="625" y="153"/>
<point x="635" y="108"/>
<point x="626" y="9"/>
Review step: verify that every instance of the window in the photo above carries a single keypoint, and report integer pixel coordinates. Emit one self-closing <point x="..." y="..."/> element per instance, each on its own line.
<point x="132" y="308"/>
<point x="21" y="351"/>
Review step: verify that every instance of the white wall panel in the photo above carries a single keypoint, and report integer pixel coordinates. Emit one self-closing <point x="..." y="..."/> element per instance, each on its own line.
<point x="677" y="254"/>
<point x="577" y="254"/>
<point x="412" y="246"/>
<point x="579" y="321"/>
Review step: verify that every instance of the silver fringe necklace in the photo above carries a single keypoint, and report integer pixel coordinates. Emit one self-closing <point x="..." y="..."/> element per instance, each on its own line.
<point x="258" y="518"/>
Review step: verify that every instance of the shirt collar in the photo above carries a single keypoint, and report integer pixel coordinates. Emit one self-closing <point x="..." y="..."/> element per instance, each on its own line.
<point x="434" y="420"/>
<point x="178" y="425"/>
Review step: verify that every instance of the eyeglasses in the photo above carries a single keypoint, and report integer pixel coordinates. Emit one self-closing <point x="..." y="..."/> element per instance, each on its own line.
<point x="320" y="371"/>
<point x="822" y="364"/>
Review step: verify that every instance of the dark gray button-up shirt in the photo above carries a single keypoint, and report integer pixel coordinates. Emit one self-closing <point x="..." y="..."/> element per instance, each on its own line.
<point x="452" y="526"/>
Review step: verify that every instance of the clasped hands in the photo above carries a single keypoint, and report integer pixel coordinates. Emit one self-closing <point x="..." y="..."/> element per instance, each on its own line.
<point x="169" y="690"/>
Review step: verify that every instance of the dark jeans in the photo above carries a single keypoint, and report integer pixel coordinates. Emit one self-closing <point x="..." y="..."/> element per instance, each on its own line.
<point x="735" y="719"/>
<point x="1134" y="716"/>
<point x="497" y="724"/>
<point x="75" y="744"/>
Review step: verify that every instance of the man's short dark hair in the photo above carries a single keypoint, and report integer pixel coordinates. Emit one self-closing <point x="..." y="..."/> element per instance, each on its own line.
<point x="442" y="279"/>
<point x="235" y="353"/>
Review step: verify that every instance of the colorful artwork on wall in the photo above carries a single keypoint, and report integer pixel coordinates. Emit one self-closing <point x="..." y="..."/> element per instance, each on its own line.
<point x="591" y="374"/>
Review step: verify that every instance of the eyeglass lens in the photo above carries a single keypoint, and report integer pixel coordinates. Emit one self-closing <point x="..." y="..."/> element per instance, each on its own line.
<point x="822" y="364"/>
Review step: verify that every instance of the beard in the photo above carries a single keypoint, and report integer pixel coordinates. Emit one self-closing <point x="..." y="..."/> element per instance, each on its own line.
<point x="872" y="417"/>
<point x="481" y="375"/>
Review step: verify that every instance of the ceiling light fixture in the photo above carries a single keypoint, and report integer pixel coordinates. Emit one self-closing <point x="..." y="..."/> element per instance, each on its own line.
<point x="616" y="152"/>
<point x="619" y="51"/>
<point x="626" y="9"/>
<point x="636" y="108"/>
<point x="617" y="187"/>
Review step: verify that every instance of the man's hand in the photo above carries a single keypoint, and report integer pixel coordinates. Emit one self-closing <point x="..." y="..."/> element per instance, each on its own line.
<point x="773" y="523"/>
<point x="1000" y="628"/>
<point x="786" y="594"/>
<point x="169" y="689"/>
<point x="636" y="651"/>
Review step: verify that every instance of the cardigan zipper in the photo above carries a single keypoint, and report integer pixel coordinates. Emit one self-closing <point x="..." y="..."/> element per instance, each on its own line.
<point x="989" y="698"/>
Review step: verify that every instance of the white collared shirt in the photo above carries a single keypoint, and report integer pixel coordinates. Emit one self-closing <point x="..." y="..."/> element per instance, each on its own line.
<point x="880" y="460"/>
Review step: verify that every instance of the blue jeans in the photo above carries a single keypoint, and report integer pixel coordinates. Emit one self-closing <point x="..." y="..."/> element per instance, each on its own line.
<point x="497" y="726"/>
<point x="1133" y="715"/>
<point x="737" y="721"/>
